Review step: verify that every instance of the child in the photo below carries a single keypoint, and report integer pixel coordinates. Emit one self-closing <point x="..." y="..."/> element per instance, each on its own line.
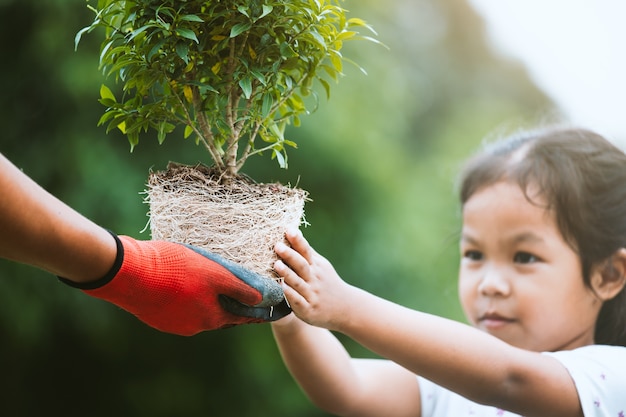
<point x="541" y="281"/>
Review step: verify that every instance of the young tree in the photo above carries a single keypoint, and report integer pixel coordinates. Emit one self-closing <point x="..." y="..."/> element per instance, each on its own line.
<point x="234" y="74"/>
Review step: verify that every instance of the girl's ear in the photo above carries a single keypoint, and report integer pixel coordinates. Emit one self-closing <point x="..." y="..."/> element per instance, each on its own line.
<point x="610" y="277"/>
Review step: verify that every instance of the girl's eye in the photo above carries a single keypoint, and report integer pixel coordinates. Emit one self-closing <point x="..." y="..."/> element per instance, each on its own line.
<point x="473" y="255"/>
<point x="525" y="258"/>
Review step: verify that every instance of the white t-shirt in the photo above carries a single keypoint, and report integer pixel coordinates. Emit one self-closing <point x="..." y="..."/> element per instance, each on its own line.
<point x="598" y="371"/>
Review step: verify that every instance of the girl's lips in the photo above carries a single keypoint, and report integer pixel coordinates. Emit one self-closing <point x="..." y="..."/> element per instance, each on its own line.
<point x="494" y="321"/>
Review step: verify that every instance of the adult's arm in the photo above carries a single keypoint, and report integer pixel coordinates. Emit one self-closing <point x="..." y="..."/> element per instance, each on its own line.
<point x="38" y="229"/>
<point x="169" y="286"/>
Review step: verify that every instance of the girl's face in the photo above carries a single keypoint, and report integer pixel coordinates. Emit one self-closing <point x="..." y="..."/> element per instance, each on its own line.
<point x="519" y="280"/>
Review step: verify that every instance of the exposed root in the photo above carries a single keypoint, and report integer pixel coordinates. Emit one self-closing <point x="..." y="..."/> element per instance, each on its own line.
<point x="237" y="219"/>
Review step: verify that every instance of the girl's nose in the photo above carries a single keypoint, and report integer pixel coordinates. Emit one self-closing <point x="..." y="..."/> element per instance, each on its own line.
<point x="494" y="283"/>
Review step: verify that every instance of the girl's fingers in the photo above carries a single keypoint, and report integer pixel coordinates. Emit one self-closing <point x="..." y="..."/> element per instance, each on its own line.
<point x="300" y="244"/>
<point x="292" y="258"/>
<point x="291" y="278"/>
<point x="295" y="299"/>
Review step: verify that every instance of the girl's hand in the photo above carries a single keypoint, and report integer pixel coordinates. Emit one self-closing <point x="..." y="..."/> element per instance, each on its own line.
<point x="312" y="287"/>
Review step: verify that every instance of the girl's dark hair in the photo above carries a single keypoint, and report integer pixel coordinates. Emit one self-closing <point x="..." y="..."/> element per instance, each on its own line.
<point x="582" y="178"/>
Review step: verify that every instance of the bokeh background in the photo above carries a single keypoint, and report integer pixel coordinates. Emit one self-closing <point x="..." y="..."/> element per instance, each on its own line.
<point x="379" y="160"/>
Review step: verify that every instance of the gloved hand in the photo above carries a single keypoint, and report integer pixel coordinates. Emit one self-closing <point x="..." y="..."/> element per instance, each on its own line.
<point x="185" y="290"/>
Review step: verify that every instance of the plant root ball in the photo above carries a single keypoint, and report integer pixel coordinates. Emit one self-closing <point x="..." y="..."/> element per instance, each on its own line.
<point x="236" y="218"/>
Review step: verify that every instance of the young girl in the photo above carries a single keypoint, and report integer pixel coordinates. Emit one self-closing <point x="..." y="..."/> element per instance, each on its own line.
<point x="541" y="281"/>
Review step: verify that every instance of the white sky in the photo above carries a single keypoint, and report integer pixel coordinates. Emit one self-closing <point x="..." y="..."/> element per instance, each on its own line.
<point x="575" y="50"/>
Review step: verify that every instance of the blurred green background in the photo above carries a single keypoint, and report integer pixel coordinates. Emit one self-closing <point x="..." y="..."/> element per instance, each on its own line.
<point x="379" y="160"/>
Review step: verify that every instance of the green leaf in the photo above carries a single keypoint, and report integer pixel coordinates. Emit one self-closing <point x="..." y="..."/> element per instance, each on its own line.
<point x="80" y="34"/>
<point x="267" y="9"/>
<point x="118" y="122"/>
<point x="106" y="93"/>
<point x="167" y="11"/>
<point x="187" y="34"/>
<point x="161" y="134"/>
<point x="163" y="129"/>
<point x="287" y="51"/>
<point x="319" y="39"/>
<point x="203" y="87"/>
<point x="107" y="102"/>
<point x="105" y="51"/>
<point x="268" y="102"/>
<point x="326" y="87"/>
<point x="191" y="18"/>
<point x="282" y="161"/>
<point x="239" y="28"/>
<point x="355" y="21"/>
<point x="243" y="10"/>
<point x="259" y="76"/>
<point x="246" y="87"/>
<point x="277" y="132"/>
<point x="182" y="50"/>
<point x="376" y="41"/>
<point x="188" y="131"/>
<point x="345" y="35"/>
<point x="133" y="139"/>
<point x="138" y="31"/>
<point x="335" y="58"/>
<point x="155" y="49"/>
<point x="288" y="82"/>
<point x="331" y="71"/>
<point x="105" y="117"/>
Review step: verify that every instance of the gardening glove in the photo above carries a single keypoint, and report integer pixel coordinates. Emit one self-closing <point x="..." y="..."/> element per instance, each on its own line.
<point x="177" y="288"/>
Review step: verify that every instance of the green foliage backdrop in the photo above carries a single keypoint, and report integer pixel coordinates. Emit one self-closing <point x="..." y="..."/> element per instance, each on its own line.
<point x="379" y="160"/>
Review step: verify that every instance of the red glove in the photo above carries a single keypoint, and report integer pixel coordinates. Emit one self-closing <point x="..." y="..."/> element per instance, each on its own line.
<point x="183" y="289"/>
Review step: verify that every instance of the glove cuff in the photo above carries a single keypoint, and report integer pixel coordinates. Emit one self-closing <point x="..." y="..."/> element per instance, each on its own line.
<point x="100" y="282"/>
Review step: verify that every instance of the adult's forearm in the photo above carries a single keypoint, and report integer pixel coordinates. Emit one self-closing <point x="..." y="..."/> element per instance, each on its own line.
<point x="38" y="229"/>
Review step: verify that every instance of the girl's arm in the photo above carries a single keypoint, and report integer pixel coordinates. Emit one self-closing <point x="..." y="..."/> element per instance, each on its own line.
<point x="339" y="384"/>
<point x="474" y="364"/>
